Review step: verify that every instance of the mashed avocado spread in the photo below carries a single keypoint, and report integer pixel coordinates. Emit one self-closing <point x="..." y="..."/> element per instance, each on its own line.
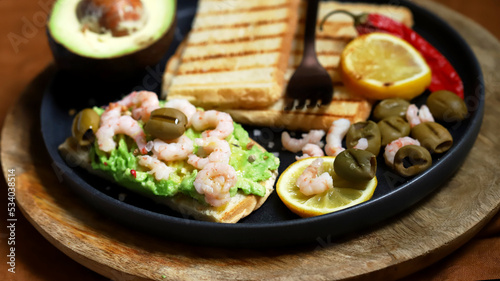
<point x="251" y="164"/>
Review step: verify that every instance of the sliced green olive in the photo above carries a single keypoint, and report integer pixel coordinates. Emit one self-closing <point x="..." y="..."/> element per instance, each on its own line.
<point x="368" y="130"/>
<point x="411" y="160"/>
<point x="166" y="123"/>
<point x="85" y="124"/>
<point x="355" y="165"/>
<point x="393" y="128"/>
<point x="432" y="136"/>
<point x="447" y="106"/>
<point x="390" y="107"/>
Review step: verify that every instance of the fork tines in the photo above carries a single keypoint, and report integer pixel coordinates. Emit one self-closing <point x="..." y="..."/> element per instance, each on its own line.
<point x="291" y="104"/>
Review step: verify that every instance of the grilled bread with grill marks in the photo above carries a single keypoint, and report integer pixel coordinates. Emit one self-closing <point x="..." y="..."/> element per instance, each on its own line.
<point x="337" y="31"/>
<point x="235" y="55"/>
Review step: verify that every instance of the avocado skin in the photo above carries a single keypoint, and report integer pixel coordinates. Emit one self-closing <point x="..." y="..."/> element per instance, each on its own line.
<point x="121" y="67"/>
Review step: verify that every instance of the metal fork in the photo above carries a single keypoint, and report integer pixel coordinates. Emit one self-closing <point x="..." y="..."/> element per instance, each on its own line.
<point x="310" y="85"/>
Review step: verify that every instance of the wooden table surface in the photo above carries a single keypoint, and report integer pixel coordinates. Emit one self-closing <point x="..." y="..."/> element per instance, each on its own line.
<point x="24" y="54"/>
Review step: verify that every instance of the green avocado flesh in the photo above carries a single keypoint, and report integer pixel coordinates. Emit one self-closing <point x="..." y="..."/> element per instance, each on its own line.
<point x="66" y="29"/>
<point x="122" y="165"/>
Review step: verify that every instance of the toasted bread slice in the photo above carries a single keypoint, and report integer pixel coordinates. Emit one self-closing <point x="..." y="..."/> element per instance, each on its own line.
<point x="236" y="54"/>
<point x="238" y="207"/>
<point x="343" y="105"/>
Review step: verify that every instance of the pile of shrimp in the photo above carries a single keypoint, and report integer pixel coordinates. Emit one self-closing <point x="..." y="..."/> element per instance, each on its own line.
<point x="215" y="176"/>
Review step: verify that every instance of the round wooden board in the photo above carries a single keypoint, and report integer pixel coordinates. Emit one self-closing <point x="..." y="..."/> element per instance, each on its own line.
<point x="414" y="239"/>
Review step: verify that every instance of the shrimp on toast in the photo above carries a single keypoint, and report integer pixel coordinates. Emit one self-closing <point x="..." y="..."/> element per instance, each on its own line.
<point x="214" y="181"/>
<point x="113" y="123"/>
<point x="217" y="150"/>
<point x="142" y="104"/>
<point x="178" y="149"/>
<point x="158" y="168"/>
<point x="183" y="106"/>
<point x="221" y="123"/>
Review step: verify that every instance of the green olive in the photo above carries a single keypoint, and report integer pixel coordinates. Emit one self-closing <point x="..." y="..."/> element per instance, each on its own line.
<point x="432" y="136"/>
<point x="393" y="128"/>
<point x="368" y="130"/>
<point x="447" y="106"/>
<point x="166" y="123"/>
<point x="85" y="124"/>
<point x="390" y="107"/>
<point x="355" y="165"/>
<point x="411" y="160"/>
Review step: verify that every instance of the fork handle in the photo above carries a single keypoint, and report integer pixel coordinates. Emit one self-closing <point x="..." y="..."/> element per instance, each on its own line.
<point x="310" y="32"/>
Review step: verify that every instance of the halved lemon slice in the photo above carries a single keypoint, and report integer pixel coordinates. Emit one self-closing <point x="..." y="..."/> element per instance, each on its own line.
<point x="344" y="193"/>
<point x="380" y="66"/>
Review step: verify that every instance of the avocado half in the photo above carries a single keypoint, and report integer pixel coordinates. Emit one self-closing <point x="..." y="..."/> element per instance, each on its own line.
<point x="82" y="51"/>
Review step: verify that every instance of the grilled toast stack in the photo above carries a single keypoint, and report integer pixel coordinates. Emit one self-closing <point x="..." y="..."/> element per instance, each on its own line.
<point x="235" y="55"/>
<point x="240" y="54"/>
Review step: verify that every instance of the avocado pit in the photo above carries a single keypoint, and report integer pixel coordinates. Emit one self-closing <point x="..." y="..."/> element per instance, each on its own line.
<point x="120" y="17"/>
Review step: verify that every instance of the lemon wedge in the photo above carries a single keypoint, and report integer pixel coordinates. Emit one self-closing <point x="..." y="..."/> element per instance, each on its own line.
<point x="344" y="193"/>
<point x="380" y="66"/>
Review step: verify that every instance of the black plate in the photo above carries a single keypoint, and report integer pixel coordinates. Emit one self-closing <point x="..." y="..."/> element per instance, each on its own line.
<point x="273" y="223"/>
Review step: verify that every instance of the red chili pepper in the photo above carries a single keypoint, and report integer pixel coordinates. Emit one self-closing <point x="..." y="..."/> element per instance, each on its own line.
<point x="134" y="173"/>
<point x="444" y="76"/>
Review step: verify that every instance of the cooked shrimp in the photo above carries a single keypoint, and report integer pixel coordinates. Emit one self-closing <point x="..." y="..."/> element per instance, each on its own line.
<point x="296" y="145"/>
<point x="142" y="103"/>
<point x="310" y="182"/>
<point x="214" y="181"/>
<point x="412" y="115"/>
<point x="114" y="110"/>
<point x="120" y="125"/>
<point x="335" y="135"/>
<point x="310" y="150"/>
<point x="222" y="122"/>
<point x="362" y="144"/>
<point x="177" y="149"/>
<point x="392" y="148"/>
<point x="184" y="106"/>
<point x="158" y="168"/>
<point x="425" y="114"/>
<point x="218" y="151"/>
<point x="416" y="116"/>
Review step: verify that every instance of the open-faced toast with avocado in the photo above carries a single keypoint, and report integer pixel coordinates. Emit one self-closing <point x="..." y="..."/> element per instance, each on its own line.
<point x="199" y="163"/>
